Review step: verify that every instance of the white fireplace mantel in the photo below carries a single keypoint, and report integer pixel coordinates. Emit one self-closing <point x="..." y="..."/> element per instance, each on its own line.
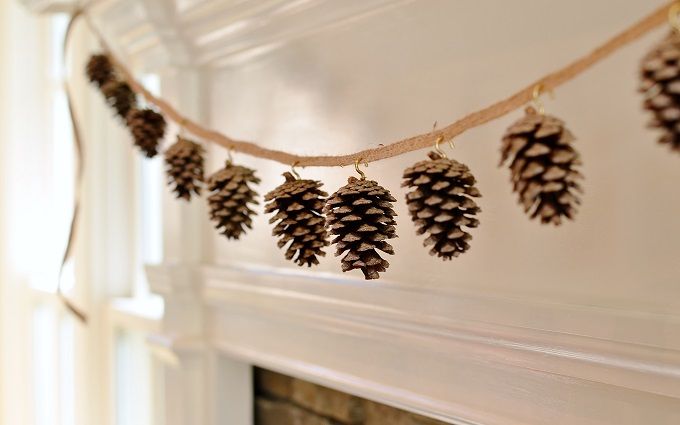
<point x="453" y="356"/>
<point x="460" y="355"/>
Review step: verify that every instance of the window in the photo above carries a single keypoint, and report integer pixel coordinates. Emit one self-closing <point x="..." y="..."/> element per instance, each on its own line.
<point x="50" y="364"/>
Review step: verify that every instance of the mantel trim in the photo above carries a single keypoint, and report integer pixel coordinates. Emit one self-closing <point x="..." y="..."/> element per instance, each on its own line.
<point x="436" y="351"/>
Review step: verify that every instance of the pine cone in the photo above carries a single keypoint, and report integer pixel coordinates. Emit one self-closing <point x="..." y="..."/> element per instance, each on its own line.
<point x="543" y="166"/>
<point x="99" y="70"/>
<point x="120" y="97"/>
<point x="231" y="196"/>
<point x="360" y="214"/>
<point x="660" y="83"/>
<point x="184" y="161"/>
<point x="441" y="203"/>
<point x="147" y="128"/>
<point x="299" y="205"/>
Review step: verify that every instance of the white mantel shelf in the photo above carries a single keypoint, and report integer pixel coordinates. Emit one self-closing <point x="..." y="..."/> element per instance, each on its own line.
<point x="453" y="356"/>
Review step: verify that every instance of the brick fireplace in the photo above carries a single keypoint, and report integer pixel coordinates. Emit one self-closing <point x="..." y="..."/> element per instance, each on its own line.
<point x="284" y="400"/>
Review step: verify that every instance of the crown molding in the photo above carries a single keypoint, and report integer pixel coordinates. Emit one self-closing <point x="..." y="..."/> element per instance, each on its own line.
<point x="153" y="34"/>
<point x="49" y="6"/>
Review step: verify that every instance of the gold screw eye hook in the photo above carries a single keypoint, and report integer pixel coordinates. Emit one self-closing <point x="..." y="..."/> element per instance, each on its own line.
<point x="230" y="158"/>
<point x="293" y="171"/>
<point x="438" y="149"/>
<point x="539" y="89"/>
<point x="356" y="167"/>
<point x="438" y="141"/>
<point x="674" y="16"/>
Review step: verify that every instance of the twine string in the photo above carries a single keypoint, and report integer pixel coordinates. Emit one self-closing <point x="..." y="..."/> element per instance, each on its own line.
<point x="80" y="165"/>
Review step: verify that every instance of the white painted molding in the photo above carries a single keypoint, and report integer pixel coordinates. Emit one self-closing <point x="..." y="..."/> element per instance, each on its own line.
<point x="459" y="357"/>
<point x="171" y="279"/>
<point x="49" y="6"/>
<point x="143" y="315"/>
<point x="225" y="32"/>
<point x="153" y="34"/>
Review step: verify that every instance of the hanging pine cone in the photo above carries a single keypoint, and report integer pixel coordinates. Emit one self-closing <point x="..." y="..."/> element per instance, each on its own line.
<point x="120" y="97"/>
<point x="147" y="128"/>
<point x="543" y="166"/>
<point x="441" y="203"/>
<point x="660" y="83"/>
<point x="360" y="214"/>
<point x="298" y="205"/>
<point x="229" y="202"/>
<point x="184" y="162"/>
<point x="99" y="70"/>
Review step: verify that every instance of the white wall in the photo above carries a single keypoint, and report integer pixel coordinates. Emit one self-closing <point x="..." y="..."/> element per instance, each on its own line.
<point x="391" y="75"/>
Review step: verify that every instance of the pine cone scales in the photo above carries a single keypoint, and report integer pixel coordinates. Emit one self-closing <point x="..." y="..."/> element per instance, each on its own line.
<point x="120" y="96"/>
<point x="147" y="128"/>
<point x="360" y="214"/>
<point x="441" y="203"/>
<point x="298" y="205"/>
<point x="543" y="166"/>
<point x="184" y="162"/>
<point x="660" y="83"/>
<point x="229" y="202"/>
<point x="99" y="70"/>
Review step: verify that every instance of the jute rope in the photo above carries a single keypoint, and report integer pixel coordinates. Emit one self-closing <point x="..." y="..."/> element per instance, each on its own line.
<point x="80" y="168"/>
<point x="475" y="119"/>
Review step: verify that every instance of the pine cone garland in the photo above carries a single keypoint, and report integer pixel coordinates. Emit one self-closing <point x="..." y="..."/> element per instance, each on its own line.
<point x="543" y="166"/>
<point x="147" y="128"/>
<point x="229" y="202"/>
<point x="441" y="203"/>
<point x="298" y="205"/>
<point x="99" y="70"/>
<point x="660" y="83"/>
<point x="120" y="97"/>
<point x="360" y="214"/>
<point x="184" y="164"/>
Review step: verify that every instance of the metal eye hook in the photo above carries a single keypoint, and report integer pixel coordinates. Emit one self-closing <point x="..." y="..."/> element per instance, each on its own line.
<point x="536" y="97"/>
<point x="674" y="16"/>
<point x="438" y="149"/>
<point x="230" y="158"/>
<point x="356" y="167"/>
<point x="292" y="170"/>
<point x="438" y="141"/>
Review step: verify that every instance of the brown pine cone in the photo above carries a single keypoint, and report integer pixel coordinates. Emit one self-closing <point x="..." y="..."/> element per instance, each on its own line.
<point x="543" y="166"/>
<point x="184" y="165"/>
<point x="147" y="128"/>
<point x="360" y="214"/>
<point x="229" y="202"/>
<point x="298" y="205"/>
<point x="660" y="83"/>
<point x="441" y="203"/>
<point x="120" y="97"/>
<point x="99" y="70"/>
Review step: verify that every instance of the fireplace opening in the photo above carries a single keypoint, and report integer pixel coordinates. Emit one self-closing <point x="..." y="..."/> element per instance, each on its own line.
<point x="284" y="400"/>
